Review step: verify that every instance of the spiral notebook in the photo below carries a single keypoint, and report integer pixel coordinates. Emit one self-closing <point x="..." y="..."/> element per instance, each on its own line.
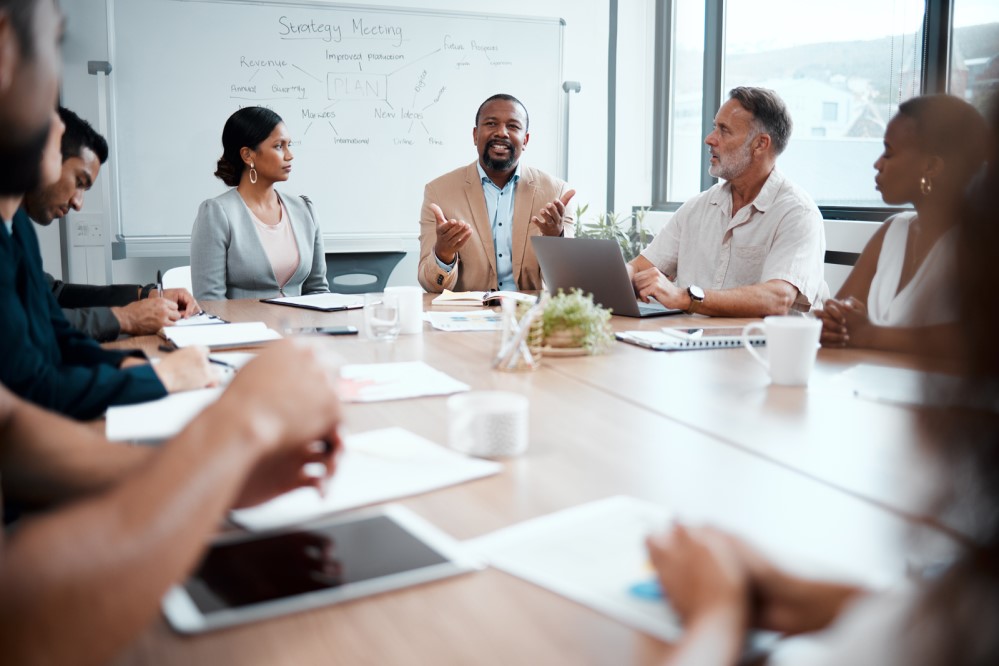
<point x="688" y="337"/>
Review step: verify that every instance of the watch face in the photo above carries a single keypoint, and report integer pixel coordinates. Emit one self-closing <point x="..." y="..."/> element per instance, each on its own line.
<point x="696" y="292"/>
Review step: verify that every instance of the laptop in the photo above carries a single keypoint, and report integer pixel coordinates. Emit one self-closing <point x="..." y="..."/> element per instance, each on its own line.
<point x="597" y="267"/>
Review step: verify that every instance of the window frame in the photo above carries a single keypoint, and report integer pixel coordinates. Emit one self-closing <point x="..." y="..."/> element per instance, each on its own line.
<point x="938" y="18"/>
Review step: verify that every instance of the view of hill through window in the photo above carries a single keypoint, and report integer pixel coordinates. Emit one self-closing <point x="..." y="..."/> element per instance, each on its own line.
<point x="842" y="69"/>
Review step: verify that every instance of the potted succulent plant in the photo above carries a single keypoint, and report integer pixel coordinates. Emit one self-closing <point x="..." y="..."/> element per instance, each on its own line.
<point x="574" y="321"/>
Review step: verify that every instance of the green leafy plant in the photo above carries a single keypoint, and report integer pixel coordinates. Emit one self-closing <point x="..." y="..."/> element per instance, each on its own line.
<point x="627" y="230"/>
<point x="578" y="321"/>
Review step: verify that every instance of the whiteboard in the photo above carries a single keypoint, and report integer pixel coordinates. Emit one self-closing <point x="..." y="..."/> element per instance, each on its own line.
<point x="378" y="102"/>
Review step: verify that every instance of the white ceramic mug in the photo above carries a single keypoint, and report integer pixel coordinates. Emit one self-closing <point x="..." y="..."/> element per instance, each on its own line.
<point x="410" y="308"/>
<point x="489" y="424"/>
<point x="381" y="316"/>
<point x="792" y="343"/>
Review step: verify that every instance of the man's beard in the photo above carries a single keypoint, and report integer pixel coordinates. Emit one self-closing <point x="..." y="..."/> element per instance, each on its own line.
<point x="21" y="163"/>
<point x="736" y="164"/>
<point x="498" y="165"/>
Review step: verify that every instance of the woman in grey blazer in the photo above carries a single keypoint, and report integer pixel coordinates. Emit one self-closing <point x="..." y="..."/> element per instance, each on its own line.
<point x="252" y="242"/>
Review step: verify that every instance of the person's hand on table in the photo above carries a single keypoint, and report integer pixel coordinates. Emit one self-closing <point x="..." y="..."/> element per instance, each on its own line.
<point x="701" y="575"/>
<point x="288" y="397"/>
<point x="187" y="369"/>
<point x="451" y="235"/>
<point x="551" y="219"/>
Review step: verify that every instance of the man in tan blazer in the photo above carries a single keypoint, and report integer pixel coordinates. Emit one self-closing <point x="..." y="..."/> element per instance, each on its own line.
<point x="476" y="220"/>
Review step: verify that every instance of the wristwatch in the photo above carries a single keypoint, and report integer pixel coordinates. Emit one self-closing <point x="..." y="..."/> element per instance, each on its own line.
<point x="696" y="297"/>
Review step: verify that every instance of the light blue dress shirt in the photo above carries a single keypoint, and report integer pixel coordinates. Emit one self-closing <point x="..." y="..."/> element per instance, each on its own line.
<point x="499" y="207"/>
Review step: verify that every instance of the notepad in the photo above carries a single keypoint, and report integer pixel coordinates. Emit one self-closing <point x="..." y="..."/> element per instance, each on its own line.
<point x="323" y="302"/>
<point x="376" y="466"/>
<point x="480" y="298"/>
<point x="221" y="336"/>
<point x="374" y="382"/>
<point x="690" y="337"/>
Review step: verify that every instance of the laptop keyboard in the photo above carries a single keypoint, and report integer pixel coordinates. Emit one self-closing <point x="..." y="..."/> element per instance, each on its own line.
<point x="650" y="308"/>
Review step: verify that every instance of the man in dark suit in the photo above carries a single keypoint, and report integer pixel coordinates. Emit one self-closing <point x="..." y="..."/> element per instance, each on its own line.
<point x="103" y="312"/>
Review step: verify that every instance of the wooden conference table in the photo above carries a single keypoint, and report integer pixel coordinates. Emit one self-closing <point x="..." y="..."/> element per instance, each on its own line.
<point x="822" y="482"/>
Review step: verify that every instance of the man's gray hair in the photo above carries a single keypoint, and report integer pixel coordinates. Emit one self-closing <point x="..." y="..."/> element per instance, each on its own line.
<point x="770" y="112"/>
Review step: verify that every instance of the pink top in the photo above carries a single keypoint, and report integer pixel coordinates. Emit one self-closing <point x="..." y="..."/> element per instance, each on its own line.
<point x="279" y="245"/>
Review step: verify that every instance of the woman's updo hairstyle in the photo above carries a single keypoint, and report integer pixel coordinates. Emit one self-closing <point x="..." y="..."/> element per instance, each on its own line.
<point x="245" y="128"/>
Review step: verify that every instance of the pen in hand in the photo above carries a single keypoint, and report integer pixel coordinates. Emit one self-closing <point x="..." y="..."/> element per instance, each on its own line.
<point x="159" y="283"/>
<point x="168" y="348"/>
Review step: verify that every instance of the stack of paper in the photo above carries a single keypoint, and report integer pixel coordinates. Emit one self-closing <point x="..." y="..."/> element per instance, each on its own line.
<point x="374" y="382"/>
<point x="221" y="336"/>
<point x="376" y="466"/>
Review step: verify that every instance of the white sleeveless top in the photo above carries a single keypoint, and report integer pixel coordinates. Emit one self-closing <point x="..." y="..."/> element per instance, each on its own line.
<point x="279" y="246"/>
<point x="930" y="297"/>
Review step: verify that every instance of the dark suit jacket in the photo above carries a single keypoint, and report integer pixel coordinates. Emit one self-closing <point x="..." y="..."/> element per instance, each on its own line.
<point x="43" y="358"/>
<point x="88" y="307"/>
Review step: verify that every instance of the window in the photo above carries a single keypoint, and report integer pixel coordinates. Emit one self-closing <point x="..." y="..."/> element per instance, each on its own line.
<point x="974" y="54"/>
<point x="686" y="139"/>
<point x="840" y="77"/>
<point x="830" y="112"/>
<point x="842" y="68"/>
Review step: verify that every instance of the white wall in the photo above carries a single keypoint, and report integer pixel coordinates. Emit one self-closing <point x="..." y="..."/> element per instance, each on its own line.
<point x="585" y="60"/>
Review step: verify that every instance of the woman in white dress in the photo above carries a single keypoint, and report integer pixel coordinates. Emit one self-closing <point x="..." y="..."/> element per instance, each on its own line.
<point x="900" y="295"/>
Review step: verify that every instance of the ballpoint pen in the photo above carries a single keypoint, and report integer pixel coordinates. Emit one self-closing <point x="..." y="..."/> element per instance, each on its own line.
<point x="169" y="348"/>
<point x="159" y="283"/>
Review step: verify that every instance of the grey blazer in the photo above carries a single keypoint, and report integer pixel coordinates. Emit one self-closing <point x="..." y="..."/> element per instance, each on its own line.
<point x="228" y="260"/>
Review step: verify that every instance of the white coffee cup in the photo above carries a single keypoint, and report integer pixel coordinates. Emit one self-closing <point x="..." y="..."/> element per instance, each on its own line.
<point x="381" y="316"/>
<point x="410" y="308"/>
<point x="489" y="424"/>
<point x="792" y="343"/>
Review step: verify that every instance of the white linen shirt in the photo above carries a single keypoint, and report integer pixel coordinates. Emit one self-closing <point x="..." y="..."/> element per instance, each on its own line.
<point x="779" y="236"/>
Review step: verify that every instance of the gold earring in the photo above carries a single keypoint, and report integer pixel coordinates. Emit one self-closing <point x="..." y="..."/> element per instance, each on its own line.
<point x="926" y="185"/>
<point x="253" y="173"/>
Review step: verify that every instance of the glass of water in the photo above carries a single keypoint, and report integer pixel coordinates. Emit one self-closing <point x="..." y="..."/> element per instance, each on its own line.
<point x="381" y="316"/>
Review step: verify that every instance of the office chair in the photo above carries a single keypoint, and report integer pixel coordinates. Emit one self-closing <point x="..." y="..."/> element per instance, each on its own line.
<point x="360" y="272"/>
<point x="178" y="277"/>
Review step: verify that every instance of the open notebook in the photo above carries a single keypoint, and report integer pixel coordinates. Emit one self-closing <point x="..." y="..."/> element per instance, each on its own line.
<point x="479" y="298"/>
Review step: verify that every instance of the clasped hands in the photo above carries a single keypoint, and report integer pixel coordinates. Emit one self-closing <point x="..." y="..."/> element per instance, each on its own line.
<point x="452" y="234"/>
<point x="844" y="322"/>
